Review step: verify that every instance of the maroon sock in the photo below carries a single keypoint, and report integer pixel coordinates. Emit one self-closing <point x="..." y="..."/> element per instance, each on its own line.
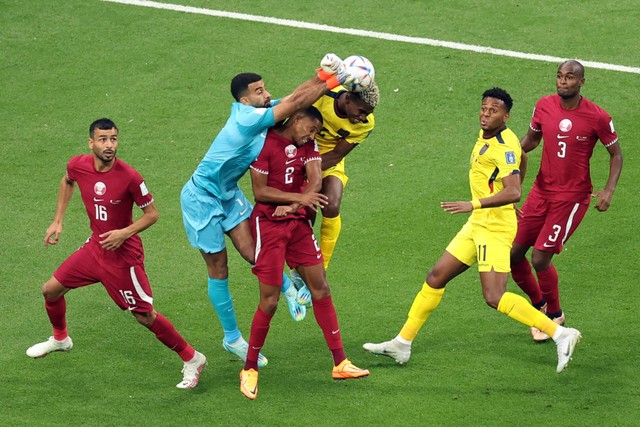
<point x="548" y="280"/>
<point x="56" y="310"/>
<point x="327" y="318"/>
<point x="259" y="331"/>
<point x="522" y="275"/>
<point x="169" y="336"/>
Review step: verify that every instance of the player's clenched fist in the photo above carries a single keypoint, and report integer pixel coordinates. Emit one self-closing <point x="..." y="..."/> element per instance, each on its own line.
<point x="331" y="63"/>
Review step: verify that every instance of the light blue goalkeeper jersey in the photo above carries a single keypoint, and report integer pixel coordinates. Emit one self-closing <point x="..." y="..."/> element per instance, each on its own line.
<point x="232" y="151"/>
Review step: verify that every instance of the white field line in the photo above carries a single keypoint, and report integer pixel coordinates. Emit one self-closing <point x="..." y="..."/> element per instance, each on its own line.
<point x="373" y="34"/>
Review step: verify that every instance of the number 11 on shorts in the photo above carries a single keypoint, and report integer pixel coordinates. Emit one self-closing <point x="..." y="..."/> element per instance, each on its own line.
<point x="482" y="252"/>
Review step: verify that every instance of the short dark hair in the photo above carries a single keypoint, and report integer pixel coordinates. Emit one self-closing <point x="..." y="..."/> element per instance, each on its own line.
<point x="102" y="124"/>
<point x="576" y="66"/>
<point x="241" y="82"/>
<point x="312" y="112"/>
<point x="500" y="94"/>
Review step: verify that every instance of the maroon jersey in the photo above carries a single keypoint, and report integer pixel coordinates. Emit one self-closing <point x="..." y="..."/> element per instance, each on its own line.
<point x="284" y="162"/>
<point x="108" y="198"/>
<point x="569" y="138"/>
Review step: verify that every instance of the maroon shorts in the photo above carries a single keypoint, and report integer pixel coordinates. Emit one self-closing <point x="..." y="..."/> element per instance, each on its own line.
<point x="290" y="240"/>
<point x="129" y="286"/>
<point x="546" y="224"/>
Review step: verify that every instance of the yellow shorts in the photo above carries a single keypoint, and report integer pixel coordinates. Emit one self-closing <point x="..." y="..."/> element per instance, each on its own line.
<point x="490" y="249"/>
<point x="338" y="172"/>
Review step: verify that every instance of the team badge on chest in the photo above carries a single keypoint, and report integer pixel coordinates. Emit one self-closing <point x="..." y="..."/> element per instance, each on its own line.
<point x="565" y="125"/>
<point x="100" y="188"/>
<point x="290" y="151"/>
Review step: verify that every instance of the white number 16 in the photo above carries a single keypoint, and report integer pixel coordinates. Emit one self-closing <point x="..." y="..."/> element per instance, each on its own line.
<point x="101" y="212"/>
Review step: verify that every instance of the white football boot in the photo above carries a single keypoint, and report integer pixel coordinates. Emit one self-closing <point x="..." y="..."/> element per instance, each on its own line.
<point x="49" y="346"/>
<point x="394" y="349"/>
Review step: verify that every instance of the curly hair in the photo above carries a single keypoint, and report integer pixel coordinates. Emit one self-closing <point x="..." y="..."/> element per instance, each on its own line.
<point x="371" y="95"/>
<point x="501" y="94"/>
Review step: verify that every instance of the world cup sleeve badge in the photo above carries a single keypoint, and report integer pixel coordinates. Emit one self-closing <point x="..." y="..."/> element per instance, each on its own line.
<point x="511" y="157"/>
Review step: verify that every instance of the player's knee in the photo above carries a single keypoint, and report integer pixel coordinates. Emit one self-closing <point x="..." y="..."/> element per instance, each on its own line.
<point x="320" y="292"/>
<point x="434" y="278"/>
<point x="52" y="290"/>
<point x="331" y="210"/>
<point x="49" y="294"/>
<point x="145" y="319"/>
<point x="515" y="258"/>
<point x="540" y="262"/>
<point x="269" y="305"/>
<point x="493" y="299"/>
<point x="217" y="271"/>
<point x="216" y="265"/>
<point x="492" y="302"/>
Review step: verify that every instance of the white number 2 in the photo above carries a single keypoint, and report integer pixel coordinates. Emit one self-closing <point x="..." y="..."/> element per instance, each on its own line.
<point x="288" y="179"/>
<point x="101" y="212"/>
<point x="563" y="149"/>
<point x="315" y="242"/>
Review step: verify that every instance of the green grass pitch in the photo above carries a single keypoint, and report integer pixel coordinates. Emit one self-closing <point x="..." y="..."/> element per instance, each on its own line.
<point x="163" y="77"/>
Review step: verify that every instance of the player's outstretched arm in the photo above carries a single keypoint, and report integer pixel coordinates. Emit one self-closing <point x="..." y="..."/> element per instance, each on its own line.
<point x="331" y="74"/>
<point x="65" y="192"/>
<point x="509" y="194"/>
<point x="302" y="97"/>
<point x="615" y="168"/>
<point x="531" y="140"/>
<point x="113" y="239"/>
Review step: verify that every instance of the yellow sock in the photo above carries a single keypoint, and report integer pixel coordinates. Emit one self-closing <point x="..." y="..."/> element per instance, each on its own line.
<point x="519" y="309"/>
<point x="329" y="232"/>
<point x="425" y="302"/>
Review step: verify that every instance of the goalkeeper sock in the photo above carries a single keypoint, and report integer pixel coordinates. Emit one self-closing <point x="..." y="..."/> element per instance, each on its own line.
<point x="221" y="300"/>
<point x="424" y="303"/>
<point x="286" y="283"/>
<point x="329" y="232"/>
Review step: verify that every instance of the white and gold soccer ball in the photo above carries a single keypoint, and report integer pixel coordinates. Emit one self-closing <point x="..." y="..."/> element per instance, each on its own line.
<point x="362" y="71"/>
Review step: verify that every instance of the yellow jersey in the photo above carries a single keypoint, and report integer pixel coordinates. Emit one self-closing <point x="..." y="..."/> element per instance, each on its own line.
<point x="336" y="127"/>
<point x="491" y="160"/>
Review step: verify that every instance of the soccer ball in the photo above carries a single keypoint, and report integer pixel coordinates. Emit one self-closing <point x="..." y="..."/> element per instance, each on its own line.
<point x="362" y="70"/>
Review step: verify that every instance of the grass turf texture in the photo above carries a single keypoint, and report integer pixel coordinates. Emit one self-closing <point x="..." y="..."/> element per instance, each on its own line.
<point x="163" y="77"/>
